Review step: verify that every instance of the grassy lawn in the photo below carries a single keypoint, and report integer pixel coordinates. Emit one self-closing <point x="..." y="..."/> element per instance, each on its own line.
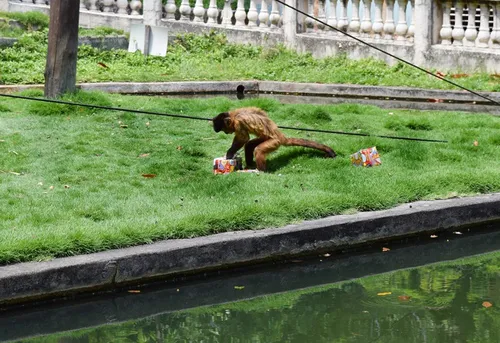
<point x="211" y="57"/>
<point x="71" y="178"/>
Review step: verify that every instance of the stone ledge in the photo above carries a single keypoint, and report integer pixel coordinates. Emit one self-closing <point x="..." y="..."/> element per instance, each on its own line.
<point x="110" y="269"/>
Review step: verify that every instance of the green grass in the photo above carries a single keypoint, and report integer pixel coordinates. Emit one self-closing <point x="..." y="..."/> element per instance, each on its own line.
<point x="211" y="57"/>
<point x="71" y="178"/>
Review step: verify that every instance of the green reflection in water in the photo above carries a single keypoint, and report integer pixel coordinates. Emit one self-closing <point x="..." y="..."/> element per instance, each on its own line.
<point x="436" y="303"/>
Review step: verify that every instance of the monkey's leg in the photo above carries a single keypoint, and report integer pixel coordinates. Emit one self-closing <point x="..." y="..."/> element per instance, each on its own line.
<point x="249" y="150"/>
<point x="263" y="149"/>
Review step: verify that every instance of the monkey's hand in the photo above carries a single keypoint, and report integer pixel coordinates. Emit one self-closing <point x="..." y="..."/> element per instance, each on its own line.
<point x="230" y="154"/>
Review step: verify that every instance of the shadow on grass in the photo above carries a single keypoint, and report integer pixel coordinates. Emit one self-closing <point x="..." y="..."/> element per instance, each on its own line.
<point x="276" y="163"/>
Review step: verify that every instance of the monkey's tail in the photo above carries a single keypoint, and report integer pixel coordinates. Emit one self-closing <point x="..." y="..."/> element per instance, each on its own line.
<point x="310" y="144"/>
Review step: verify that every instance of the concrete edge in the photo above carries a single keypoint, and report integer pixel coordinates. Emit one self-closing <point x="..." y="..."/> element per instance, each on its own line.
<point x="33" y="281"/>
<point x="314" y="89"/>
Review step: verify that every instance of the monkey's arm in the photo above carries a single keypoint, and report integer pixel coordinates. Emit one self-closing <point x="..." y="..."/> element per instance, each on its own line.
<point x="239" y="141"/>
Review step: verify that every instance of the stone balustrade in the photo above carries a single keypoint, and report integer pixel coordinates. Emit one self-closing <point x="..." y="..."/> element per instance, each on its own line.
<point x="441" y="34"/>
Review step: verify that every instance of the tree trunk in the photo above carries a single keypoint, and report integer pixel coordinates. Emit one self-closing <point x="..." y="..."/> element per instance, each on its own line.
<point x="60" y="70"/>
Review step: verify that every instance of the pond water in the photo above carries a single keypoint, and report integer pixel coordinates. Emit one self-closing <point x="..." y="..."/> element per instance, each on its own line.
<point x="406" y="294"/>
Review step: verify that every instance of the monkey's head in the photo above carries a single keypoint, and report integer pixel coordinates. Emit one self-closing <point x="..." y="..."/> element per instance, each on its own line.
<point x="222" y="122"/>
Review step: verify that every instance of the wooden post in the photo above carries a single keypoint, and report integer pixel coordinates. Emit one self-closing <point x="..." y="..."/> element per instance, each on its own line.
<point x="60" y="70"/>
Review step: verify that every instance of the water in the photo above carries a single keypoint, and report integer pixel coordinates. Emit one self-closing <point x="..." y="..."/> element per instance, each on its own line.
<point x="401" y="295"/>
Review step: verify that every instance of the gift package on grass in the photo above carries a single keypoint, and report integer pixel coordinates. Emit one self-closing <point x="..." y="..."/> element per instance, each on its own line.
<point x="223" y="165"/>
<point x="366" y="158"/>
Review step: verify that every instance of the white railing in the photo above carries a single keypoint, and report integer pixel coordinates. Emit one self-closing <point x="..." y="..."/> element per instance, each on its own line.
<point x="471" y="24"/>
<point x="366" y="19"/>
<point x="448" y="34"/>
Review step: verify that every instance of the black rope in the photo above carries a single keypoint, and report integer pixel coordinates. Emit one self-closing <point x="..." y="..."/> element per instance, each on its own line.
<point x="388" y="53"/>
<point x="209" y="119"/>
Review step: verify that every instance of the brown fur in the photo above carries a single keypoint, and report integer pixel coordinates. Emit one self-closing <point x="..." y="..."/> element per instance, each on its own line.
<point x="247" y="121"/>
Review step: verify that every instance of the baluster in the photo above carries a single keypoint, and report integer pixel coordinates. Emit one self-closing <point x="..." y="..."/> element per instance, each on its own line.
<point x="322" y="15"/>
<point x="39" y="2"/>
<point x="319" y="14"/>
<point x="170" y="9"/>
<point x="402" y="26"/>
<point x="411" y="30"/>
<point x="495" y="34"/>
<point x="389" y="26"/>
<point x="483" y="36"/>
<point x="343" y="23"/>
<point x="458" y="31"/>
<point x="264" y="14"/>
<point x="108" y="5"/>
<point x="274" y="18"/>
<point x="470" y="32"/>
<point x="378" y="25"/>
<point x="212" y="12"/>
<point x="252" y="14"/>
<point x="199" y="11"/>
<point x="332" y="17"/>
<point x="446" y="31"/>
<point x="83" y="5"/>
<point x="355" y="24"/>
<point x="240" y="15"/>
<point x="310" y="23"/>
<point x="185" y="10"/>
<point x="122" y="6"/>
<point x="93" y="5"/>
<point x="366" y="23"/>
<point x="227" y="13"/>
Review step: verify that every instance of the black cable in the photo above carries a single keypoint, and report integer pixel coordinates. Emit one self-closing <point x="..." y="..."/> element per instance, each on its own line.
<point x="388" y="53"/>
<point x="209" y="119"/>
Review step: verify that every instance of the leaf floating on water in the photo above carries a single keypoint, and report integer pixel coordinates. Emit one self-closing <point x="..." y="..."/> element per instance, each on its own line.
<point x="487" y="304"/>
<point x="384" y="249"/>
<point x="434" y="236"/>
<point x="134" y="291"/>
<point x="457" y="233"/>
<point x="327" y="255"/>
<point x="149" y="176"/>
<point x="239" y="287"/>
<point x="384" y="293"/>
<point x="404" y="298"/>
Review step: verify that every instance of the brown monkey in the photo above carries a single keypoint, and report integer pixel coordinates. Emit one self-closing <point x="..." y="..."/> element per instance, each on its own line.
<point x="252" y="120"/>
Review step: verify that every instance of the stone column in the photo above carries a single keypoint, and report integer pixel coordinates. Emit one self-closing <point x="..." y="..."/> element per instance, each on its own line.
<point x="423" y="31"/>
<point x="152" y="12"/>
<point x="290" y="24"/>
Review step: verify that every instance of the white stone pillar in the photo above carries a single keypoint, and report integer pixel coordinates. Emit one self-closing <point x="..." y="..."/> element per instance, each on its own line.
<point x="240" y="15"/>
<point x="423" y="31"/>
<point x="252" y="14"/>
<point x="378" y="25"/>
<point x="212" y="12"/>
<point x="411" y="29"/>
<point x="275" y="17"/>
<point x="343" y="20"/>
<point x="290" y="24"/>
<point x="402" y="26"/>
<point x="185" y="10"/>
<point x="264" y="16"/>
<point x="389" y="26"/>
<point x="332" y="16"/>
<point x="495" y="34"/>
<point x="170" y="9"/>
<point x="366" y="23"/>
<point x="355" y="24"/>
<point x="470" y="32"/>
<point x="446" y="31"/>
<point x="483" y="36"/>
<point x="152" y="12"/>
<point x="199" y="12"/>
<point x="227" y="13"/>
<point x="458" y="31"/>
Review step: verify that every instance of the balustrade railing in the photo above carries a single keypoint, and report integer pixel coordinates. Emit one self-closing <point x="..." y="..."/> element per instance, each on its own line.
<point x="471" y="24"/>
<point x="260" y="13"/>
<point x="370" y="19"/>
